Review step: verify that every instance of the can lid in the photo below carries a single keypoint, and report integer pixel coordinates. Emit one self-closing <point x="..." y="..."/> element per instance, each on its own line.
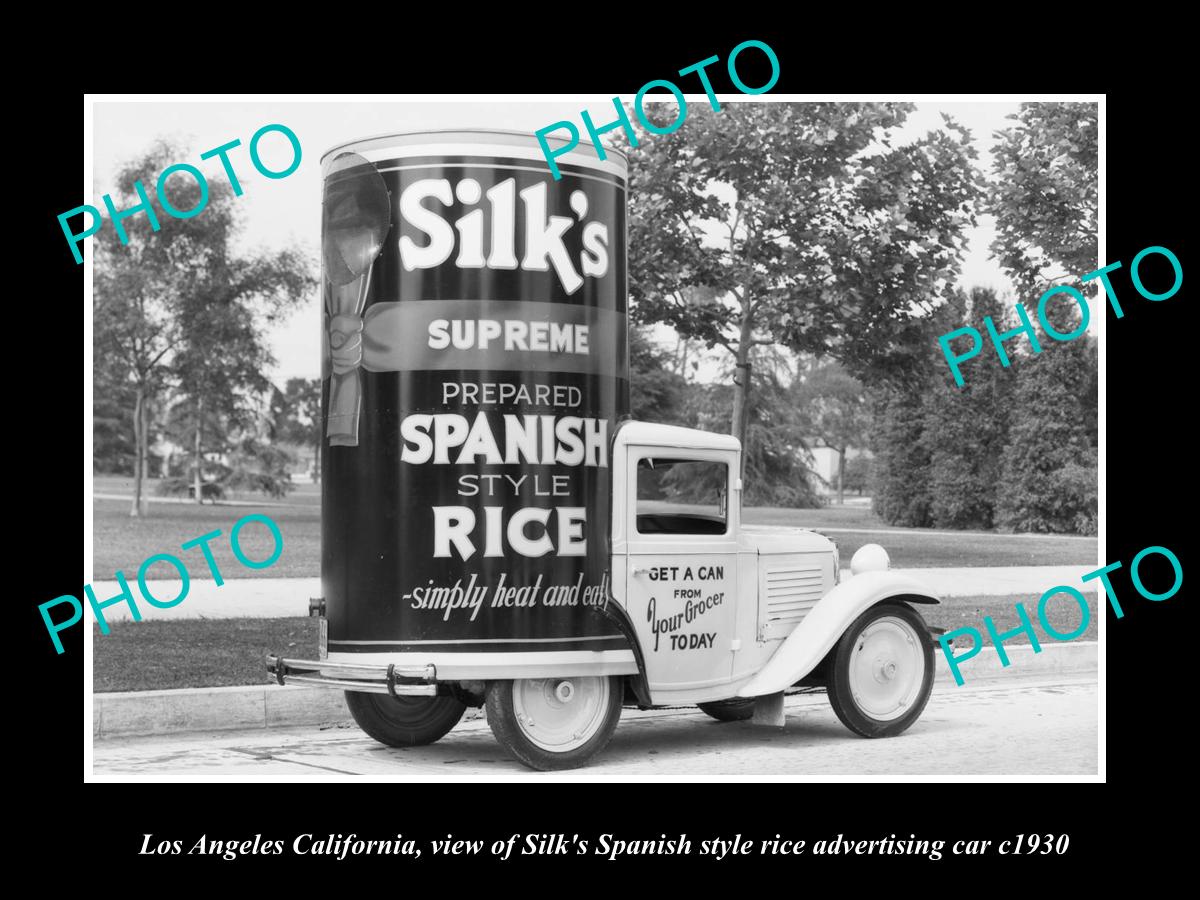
<point x="582" y="154"/>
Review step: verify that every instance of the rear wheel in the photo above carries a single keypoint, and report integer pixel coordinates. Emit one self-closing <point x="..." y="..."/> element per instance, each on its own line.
<point x="404" y="721"/>
<point x="737" y="709"/>
<point x="882" y="671"/>
<point x="554" y="723"/>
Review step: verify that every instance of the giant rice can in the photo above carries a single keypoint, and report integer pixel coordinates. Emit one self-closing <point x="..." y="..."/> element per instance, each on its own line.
<point x="475" y="369"/>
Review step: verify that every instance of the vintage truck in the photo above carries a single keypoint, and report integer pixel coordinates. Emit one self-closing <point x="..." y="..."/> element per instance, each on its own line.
<point x="717" y="614"/>
<point x="497" y="530"/>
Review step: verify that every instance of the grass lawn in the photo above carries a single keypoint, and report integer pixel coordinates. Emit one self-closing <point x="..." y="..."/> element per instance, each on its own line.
<point x="122" y="542"/>
<point x="301" y="494"/>
<point x="931" y="547"/>
<point x="821" y="517"/>
<point x="162" y="653"/>
<point x="971" y="548"/>
<point x="968" y="612"/>
<point x="159" y="654"/>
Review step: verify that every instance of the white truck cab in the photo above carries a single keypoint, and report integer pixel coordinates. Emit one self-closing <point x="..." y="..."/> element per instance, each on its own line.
<point x="710" y="599"/>
<point x="724" y="612"/>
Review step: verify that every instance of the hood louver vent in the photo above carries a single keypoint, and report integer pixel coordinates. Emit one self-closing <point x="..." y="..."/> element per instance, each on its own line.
<point x="790" y="592"/>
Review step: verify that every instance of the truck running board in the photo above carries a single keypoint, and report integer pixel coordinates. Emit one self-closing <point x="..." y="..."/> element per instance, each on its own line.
<point x="399" y="681"/>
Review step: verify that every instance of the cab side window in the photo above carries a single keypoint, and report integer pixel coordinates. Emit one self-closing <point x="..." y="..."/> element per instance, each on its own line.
<point x="682" y="496"/>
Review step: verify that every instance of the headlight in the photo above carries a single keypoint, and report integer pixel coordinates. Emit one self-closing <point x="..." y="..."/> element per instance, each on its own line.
<point x="869" y="558"/>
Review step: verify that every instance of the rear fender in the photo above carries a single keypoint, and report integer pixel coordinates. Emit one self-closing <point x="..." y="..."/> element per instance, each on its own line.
<point x="805" y="647"/>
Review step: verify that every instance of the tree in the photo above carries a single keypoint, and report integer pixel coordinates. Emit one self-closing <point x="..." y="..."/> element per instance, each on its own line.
<point x="777" y="460"/>
<point x="113" y="449"/>
<point x="966" y="428"/>
<point x="656" y="393"/>
<point x="1049" y="481"/>
<point x="858" y="474"/>
<point x="902" y="460"/>
<point x="135" y="289"/>
<point x="299" y="420"/>
<point x="805" y="226"/>
<point x="775" y="457"/>
<point x="833" y="408"/>
<point x="1045" y="194"/>
<point x="1045" y="199"/>
<point x="258" y="466"/>
<point x="177" y="307"/>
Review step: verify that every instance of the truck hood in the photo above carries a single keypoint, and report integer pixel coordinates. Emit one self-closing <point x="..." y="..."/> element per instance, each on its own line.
<point x="782" y="539"/>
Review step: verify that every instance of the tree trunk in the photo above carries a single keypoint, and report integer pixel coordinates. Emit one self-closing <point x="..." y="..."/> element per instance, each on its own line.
<point x="317" y="458"/>
<point x="741" y="390"/>
<point x="741" y="385"/>
<point x="841" y="476"/>
<point x="139" y="451"/>
<point x="197" y="481"/>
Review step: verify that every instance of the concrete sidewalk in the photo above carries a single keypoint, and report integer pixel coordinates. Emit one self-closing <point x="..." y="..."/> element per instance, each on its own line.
<point x="279" y="597"/>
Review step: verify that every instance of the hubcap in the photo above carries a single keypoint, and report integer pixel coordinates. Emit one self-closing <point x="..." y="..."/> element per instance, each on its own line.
<point x="560" y="714"/>
<point x="887" y="668"/>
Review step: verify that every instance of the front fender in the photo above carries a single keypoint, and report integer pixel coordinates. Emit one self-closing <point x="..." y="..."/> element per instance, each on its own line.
<point x="805" y="647"/>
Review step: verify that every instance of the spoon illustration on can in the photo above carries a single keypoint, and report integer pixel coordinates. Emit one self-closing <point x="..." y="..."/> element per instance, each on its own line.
<point x="356" y="216"/>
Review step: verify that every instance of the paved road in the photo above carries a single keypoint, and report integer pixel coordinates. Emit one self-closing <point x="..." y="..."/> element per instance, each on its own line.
<point x="277" y="597"/>
<point x="1015" y="729"/>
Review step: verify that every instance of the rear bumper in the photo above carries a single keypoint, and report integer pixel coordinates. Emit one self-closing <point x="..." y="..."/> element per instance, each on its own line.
<point x="499" y="665"/>
<point x="399" y="681"/>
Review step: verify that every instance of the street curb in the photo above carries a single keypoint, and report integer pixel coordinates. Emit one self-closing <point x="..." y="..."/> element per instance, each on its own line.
<point x="214" y="709"/>
<point x="145" y="713"/>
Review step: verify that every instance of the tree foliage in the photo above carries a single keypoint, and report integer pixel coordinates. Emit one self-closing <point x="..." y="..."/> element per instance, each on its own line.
<point x="966" y="428"/>
<point x="113" y="399"/>
<point x="1049" y="479"/>
<point x="1045" y="194"/>
<point x="296" y="416"/>
<point x="832" y="406"/>
<point x="178" y="308"/>
<point x="901" y="464"/>
<point x="776" y="458"/>
<point x="656" y="392"/>
<point x="858" y="474"/>
<point x="1013" y="449"/>
<point x="259" y="466"/>
<point x="804" y="224"/>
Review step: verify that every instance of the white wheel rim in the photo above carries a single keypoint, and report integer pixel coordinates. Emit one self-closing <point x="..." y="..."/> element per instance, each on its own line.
<point x="560" y="714"/>
<point x="887" y="668"/>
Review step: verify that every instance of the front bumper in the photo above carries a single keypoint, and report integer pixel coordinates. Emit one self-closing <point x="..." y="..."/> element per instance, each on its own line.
<point x="399" y="681"/>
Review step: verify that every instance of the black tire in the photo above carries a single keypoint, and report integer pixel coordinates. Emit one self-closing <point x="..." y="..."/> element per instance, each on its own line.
<point x="404" y="721"/>
<point x="502" y="717"/>
<point x="736" y="709"/>
<point x="841" y="694"/>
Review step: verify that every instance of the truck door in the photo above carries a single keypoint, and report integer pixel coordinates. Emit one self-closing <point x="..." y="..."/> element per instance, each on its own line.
<point x="682" y="565"/>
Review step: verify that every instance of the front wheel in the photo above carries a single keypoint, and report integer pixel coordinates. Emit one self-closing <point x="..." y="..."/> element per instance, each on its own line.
<point x="554" y="723"/>
<point x="882" y="672"/>
<point x="404" y="721"/>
